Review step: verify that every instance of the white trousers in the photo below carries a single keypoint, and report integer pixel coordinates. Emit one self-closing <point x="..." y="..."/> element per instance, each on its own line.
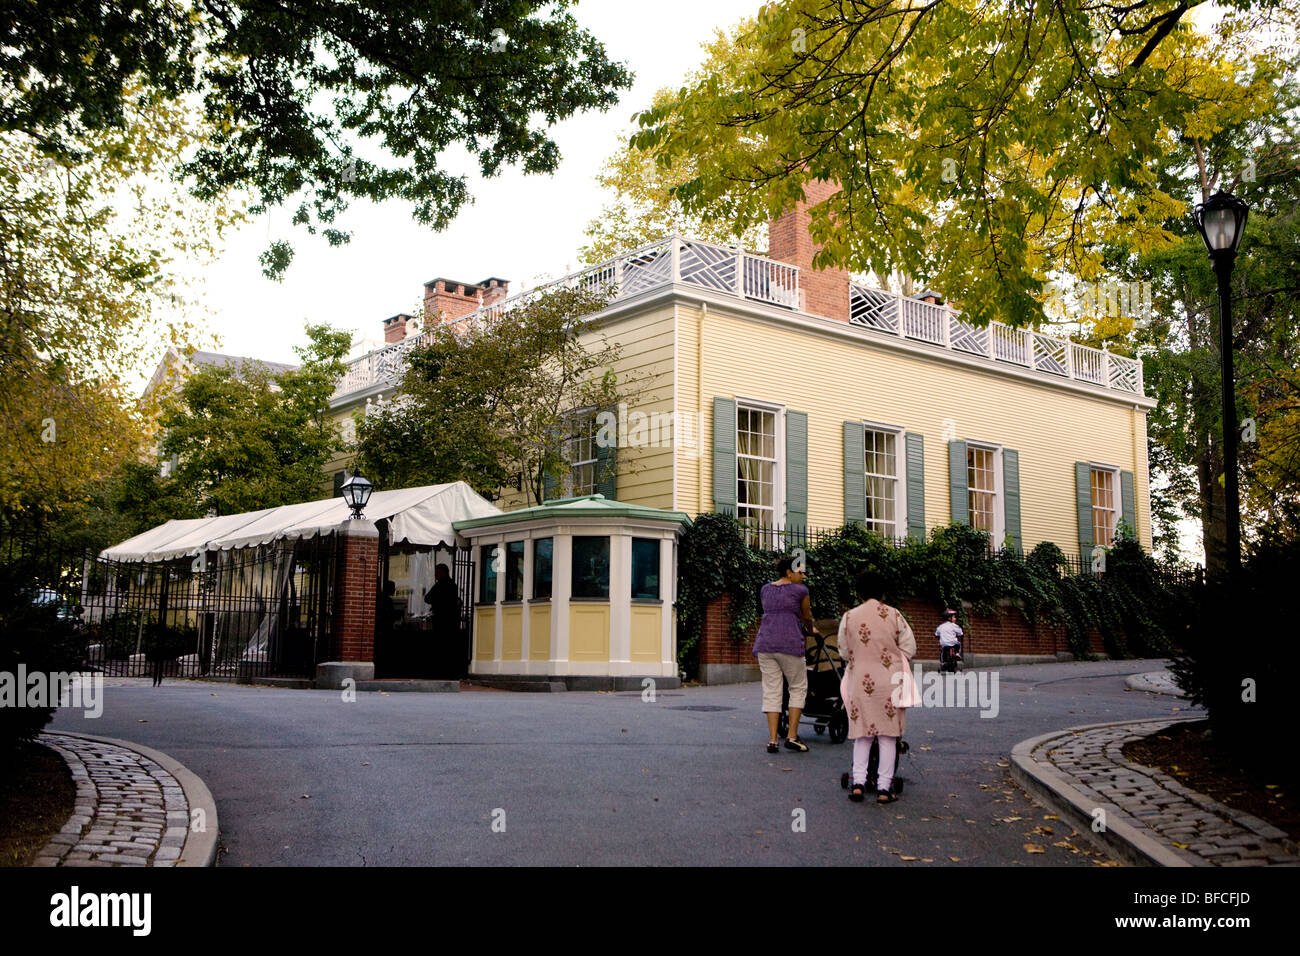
<point x="888" y="756"/>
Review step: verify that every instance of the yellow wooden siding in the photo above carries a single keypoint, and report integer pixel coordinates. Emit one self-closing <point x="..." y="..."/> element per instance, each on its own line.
<point x="646" y="626"/>
<point x="512" y="633"/>
<point x="834" y="381"/>
<point x="645" y="369"/>
<point x="485" y="632"/>
<point x="539" y="632"/>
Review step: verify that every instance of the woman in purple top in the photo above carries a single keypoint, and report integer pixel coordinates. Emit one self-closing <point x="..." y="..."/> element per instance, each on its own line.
<point x="779" y="648"/>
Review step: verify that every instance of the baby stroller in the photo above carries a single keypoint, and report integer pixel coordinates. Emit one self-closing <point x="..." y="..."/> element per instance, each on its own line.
<point x="823" y="705"/>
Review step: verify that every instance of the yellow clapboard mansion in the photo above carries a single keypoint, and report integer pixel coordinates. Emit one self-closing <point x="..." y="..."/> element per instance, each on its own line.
<point x="797" y="398"/>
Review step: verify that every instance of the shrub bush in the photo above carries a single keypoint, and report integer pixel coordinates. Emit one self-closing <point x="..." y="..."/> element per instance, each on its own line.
<point x="37" y="636"/>
<point x="1132" y="605"/>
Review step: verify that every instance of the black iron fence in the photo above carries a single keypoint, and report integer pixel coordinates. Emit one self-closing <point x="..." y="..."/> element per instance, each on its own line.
<point x="254" y="612"/>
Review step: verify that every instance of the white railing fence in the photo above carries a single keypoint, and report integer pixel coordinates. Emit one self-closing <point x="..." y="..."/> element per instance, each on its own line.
<point x="879" y="311"/>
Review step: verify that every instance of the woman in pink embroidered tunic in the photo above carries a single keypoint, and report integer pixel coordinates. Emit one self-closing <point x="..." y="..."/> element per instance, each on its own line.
<point x="876" y="643"/>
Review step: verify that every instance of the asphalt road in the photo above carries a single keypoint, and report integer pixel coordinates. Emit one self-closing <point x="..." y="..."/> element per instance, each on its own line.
<point x="304" y="778"/>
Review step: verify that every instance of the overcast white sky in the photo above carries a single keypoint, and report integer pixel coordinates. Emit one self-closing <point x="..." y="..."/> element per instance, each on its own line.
<point x="520" y="228"/>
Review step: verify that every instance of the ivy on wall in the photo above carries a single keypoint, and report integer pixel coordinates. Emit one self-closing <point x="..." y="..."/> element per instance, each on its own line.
<point x="1137" y="605"/>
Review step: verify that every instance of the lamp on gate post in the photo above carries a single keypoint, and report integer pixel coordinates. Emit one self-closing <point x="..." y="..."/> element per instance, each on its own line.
<point x="356" y="492"/>
<point x="1221" y="220"/>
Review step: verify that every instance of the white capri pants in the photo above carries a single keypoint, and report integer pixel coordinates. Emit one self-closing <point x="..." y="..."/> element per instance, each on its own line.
<point x="794" y="669"/>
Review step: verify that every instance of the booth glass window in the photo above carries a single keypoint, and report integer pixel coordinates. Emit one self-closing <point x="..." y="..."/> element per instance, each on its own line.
<point x="590" y="566"/>
<point x="515" y="571"/>
<point x="645" y="569"/>
<point x="543" y="550"/>
<point x="487" y="575"/>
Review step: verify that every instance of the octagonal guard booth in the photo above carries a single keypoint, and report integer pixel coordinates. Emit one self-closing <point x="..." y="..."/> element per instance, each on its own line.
<point x="575" y="594"/>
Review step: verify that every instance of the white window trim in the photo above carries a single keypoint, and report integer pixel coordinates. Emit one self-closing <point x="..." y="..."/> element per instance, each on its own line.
<point x="779" y="516"/>
<point x="999" y="491"/>
<point x="900" y="468"/>
<point x="1116" y="499"/>
<point x="568" y="489"/>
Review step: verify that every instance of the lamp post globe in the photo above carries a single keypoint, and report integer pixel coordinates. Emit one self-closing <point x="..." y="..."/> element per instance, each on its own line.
<point x="356" y="492"/>
<point x="1221" y="221"/>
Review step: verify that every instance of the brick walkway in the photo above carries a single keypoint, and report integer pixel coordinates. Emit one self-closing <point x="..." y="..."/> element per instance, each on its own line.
<point x="129" y="811"/>
<point x="1191" y="825"/>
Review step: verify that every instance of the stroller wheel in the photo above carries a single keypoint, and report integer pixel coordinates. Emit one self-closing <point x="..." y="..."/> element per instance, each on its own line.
<point x="782" y="724"/>
<point x="897" y="786"/>
<point x="844" y="781"/>
<point x="819" y="728"/>
<point x="839" y="727"/>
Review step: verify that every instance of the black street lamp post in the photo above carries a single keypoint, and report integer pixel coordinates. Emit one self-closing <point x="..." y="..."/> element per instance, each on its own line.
<point x="1221" y="220"/>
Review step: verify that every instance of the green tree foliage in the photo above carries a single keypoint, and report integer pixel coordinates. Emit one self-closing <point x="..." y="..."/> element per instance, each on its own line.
<point x="289" y="91"/>
<point x="246" y="438"/>
<point x="980" y="146"/>
<point x="89" y="248"/>
<point x="488" y="402"/>
<point x="1248" y="145"/>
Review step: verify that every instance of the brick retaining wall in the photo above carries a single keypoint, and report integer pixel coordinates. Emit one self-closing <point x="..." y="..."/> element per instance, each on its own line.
<point x="725" y="660"/>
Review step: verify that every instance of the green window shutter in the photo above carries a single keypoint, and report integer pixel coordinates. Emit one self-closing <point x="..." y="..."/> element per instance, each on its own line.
<point x="1011" y="498"/>
<point x="724" y="455"/>
<point x="915" y="445"/>
<point x="796" y="471"/>
<point x="958" y="486"/>
<point x="1083" y="496"/>
<point x="607" y="467"/>
<point x="855" y="473"/>
<point x="1128" y="502"/>
<point x="339" y="478"/>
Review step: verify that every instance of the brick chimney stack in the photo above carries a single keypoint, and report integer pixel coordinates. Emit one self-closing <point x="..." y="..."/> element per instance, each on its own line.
<point x="395" y="328"/>
<point x="446" y="300"/>
<point x="823" y="292"/>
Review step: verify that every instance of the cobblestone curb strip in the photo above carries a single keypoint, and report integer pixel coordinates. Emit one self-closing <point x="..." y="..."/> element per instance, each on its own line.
<point x="1150" y="818"/>
<point x="134" y="807"/>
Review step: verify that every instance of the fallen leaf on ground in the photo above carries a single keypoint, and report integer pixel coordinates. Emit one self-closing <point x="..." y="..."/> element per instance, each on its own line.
<point x="908" y="859"/>
<point x="1011" y="819"/>
<point x="927" y="748"/>
<point x="1050" y="816"/>
<point x="1042" y="831"/>
<point x="955" y="859"/>
<point x="1035" y="848"/>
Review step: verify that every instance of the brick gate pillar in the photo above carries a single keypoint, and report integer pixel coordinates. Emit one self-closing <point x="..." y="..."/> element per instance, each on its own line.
<point x="352" y="638"/>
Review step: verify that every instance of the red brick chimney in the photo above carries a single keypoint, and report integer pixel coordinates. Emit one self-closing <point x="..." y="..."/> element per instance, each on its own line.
<point x="823" y="292"/>
<point x="395" y="327"/>
<point x="446" y="300"/>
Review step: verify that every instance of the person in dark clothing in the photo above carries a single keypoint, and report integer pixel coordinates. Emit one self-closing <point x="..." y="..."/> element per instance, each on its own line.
<point x="444" y="607"/>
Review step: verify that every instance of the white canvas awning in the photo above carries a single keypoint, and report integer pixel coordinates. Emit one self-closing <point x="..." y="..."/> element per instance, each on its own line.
<point x="419" y="516"/>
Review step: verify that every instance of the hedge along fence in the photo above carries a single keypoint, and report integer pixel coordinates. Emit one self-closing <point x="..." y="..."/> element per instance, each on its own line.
<point x="1138" y="607"/>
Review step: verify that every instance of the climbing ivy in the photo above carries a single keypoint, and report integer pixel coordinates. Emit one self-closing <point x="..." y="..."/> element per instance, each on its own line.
<point x="1136" y="605"/>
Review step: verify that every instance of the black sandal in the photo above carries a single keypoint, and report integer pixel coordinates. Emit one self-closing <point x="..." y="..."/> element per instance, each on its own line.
<point x="794" y="743"/>
<point x="886" y="796"/>
<point x="858" y="792"/>
<point x="773" y="747"/>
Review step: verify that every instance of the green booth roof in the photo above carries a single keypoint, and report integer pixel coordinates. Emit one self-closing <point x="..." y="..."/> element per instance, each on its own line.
<point x="585" y="506"/>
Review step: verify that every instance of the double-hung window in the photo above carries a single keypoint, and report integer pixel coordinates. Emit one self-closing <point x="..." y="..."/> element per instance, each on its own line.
<point x="1105" y="511"/>
<point x="883" y="480"/>
<point x="983" y="488"/>
<point x="581" y="452"/>
<point x="758" y="465"/>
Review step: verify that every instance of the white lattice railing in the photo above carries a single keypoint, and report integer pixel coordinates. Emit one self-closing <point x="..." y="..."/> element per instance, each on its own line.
<point x="724" y="269"/>
<point x="880" y="311"/>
